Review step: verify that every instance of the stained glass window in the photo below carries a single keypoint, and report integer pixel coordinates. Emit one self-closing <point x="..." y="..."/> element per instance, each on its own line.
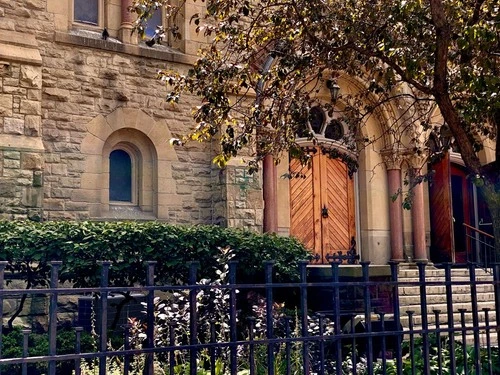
<point x="334" y="130"/>
<point x="316" y="119"/>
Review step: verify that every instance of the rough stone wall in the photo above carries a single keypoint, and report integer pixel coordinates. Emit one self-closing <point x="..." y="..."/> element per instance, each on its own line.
<point x="79" y="78"/>
<point x="241" y="204"/>
<point x="21" y="149"/>
<point x="80" y="84"/>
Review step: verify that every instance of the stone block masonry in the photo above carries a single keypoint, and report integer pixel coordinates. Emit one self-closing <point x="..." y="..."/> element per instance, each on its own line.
<point x="69" y="98"/>
<point x="21" y="146"/>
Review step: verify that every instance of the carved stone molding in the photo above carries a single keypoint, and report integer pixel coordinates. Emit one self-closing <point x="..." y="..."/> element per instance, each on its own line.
<point x="417" y="161"/>
<point x="393" y="158"/>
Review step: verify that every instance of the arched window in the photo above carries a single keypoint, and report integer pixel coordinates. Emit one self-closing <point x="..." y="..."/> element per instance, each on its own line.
<point x="120" y="176"/>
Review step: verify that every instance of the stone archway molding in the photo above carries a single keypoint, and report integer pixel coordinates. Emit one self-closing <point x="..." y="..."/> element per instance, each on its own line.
<point x="93" y="190"/>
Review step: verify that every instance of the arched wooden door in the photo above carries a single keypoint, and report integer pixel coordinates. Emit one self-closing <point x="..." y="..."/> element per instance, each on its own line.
<point x="322" y="206"/>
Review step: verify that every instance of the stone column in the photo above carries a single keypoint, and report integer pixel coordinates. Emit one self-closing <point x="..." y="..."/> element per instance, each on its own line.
<point x="128" y="18"/>
<point x="270" y="195"/>
<point x="393" y="161"/>
<point x="417" y="214"/>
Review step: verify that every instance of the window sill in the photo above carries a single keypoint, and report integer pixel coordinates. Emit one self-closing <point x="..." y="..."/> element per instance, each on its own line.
<point x="92" y="39"/>
<point x="126" y="211"/>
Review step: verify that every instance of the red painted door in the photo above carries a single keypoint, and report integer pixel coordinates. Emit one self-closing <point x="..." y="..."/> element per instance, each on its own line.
<point x="441" y="212"/>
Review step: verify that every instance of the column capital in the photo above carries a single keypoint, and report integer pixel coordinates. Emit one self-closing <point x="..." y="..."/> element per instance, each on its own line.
<point x="417" y="161"/>
<point x="394" y="157"/>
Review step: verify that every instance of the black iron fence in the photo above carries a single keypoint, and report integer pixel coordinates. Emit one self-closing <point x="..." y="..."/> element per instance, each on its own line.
<point x="221" y="327"/>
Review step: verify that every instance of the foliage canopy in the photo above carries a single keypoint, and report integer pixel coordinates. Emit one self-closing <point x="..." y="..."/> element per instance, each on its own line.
<point x="266" y="63"/>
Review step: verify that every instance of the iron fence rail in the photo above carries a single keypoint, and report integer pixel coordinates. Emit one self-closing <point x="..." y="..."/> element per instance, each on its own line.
<point x="228" y="340"/>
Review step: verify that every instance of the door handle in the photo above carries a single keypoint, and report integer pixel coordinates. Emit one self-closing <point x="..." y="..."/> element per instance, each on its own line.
<point x="324" y="212"/>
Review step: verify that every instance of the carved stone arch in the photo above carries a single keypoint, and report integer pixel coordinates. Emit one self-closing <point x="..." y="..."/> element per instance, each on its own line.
<point x="378" y="126"/>
<point x="144" y="171"/>
<point x="146" y="140"/>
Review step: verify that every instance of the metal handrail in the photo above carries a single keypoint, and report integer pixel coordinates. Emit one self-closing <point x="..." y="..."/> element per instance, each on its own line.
<point x="477" y="230"/>
<point x="484" y="254"/>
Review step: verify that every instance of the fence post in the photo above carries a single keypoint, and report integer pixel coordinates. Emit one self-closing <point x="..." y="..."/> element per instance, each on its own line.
<point x="150" y="328"/>
<point x="475" y="316"/>
<point x="103" y="339"/>
<point x="193" y="318"/>
<point x="303" y="310"/>
<point x="3" y="264"/>
<point x="449" y="312"/>
<point x="232" y="316"/>
<point x="423" y="312"/>
<point x="126" y="347"/>
<point x="78" y="349"/>
<point x="54" y="280"/>
<point x="24" y="366"/>
<point x="336" y="317"/>
<point x="368" y="317"/>
<point x="496" y="284"/>
<point x="269" y="314"/>
<point x="251" y="345"/>
<point x="397" y="316"/>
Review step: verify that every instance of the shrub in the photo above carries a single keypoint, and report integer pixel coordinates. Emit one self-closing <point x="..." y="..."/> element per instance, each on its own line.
<point x="26" y="244"/>
<point x="39" y="346"/>
<point x="30" y="246"/>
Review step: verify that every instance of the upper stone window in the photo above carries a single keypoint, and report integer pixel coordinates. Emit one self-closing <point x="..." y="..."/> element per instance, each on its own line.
<point x="86" y="11"/>
<point x="153" y="23"/>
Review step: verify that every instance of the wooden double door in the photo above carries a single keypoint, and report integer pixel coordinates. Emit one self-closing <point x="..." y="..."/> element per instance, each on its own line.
<point x="322" y="206"/>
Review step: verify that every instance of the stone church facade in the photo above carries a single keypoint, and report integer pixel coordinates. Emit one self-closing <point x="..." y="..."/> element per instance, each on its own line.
<point x="85" y="130"/>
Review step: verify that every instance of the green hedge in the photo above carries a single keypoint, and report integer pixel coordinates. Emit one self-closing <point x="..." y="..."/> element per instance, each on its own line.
<point x="30" y="246"/>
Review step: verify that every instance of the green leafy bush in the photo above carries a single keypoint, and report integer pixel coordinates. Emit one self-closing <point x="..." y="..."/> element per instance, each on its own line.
<point x="39" y="346"/>
<point x="30" y="246"/>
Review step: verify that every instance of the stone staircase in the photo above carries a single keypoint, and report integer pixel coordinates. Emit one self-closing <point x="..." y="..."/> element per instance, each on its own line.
<point x="409" y="298"/>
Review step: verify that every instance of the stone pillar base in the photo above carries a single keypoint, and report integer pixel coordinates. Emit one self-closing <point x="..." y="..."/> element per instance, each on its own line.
<point x="126" y="36"/>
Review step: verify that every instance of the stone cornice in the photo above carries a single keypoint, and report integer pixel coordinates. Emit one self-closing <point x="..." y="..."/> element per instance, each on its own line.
<point x="130" y="49"/>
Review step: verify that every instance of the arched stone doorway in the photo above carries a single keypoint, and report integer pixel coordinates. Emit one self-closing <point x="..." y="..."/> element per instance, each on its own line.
<point x="322" y="193"/>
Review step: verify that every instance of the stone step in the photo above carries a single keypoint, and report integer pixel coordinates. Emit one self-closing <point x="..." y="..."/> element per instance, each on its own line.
<point x="441" y="279"/>
<point x="437" y="272"/>
<point x="440" y="290"/>
<point x="456" y="306"/>
<point x="443" y="318"/>
<point x="440" y="298"/>
<point x="469" y="337"/>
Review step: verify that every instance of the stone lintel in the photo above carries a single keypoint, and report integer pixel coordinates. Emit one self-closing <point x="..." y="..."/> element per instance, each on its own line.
<point x="21" y="143"/>
<point x="19" y="47"/>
